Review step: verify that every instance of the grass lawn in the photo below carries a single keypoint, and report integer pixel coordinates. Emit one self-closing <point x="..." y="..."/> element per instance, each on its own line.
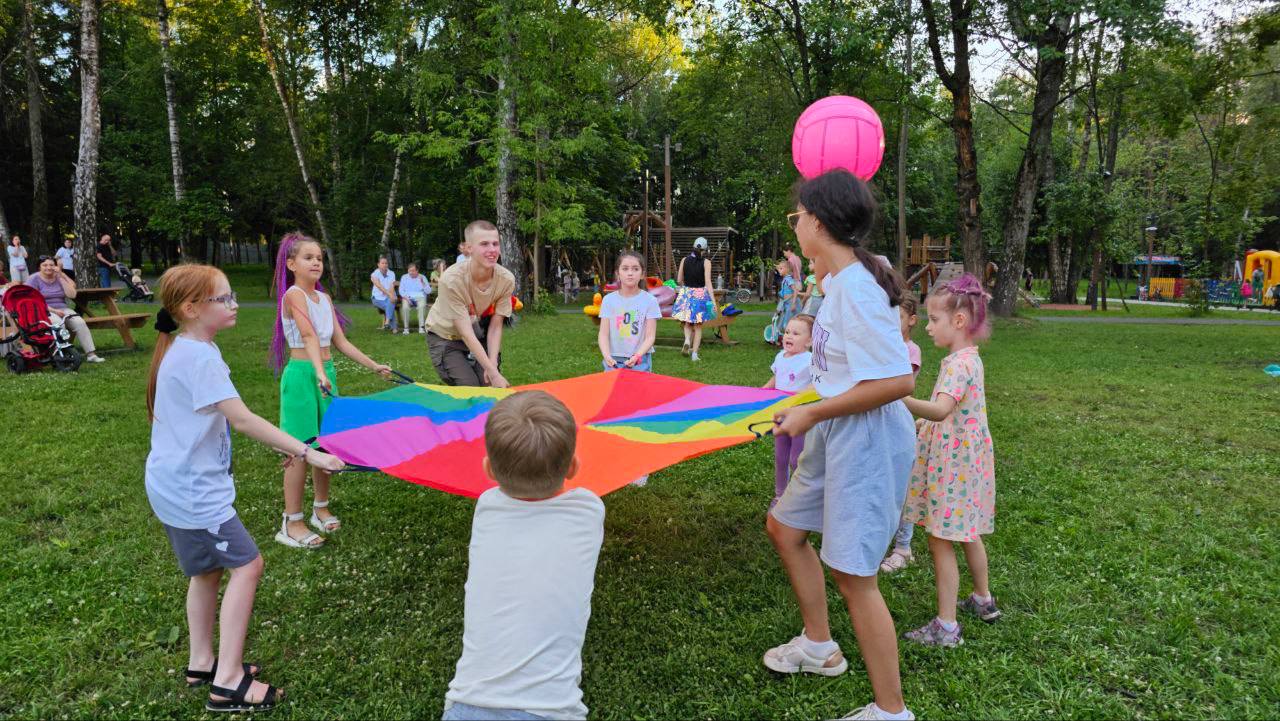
<point x="1134" y="556"/>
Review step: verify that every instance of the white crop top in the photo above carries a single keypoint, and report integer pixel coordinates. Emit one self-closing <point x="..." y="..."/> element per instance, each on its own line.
<point x="321" y="315"/>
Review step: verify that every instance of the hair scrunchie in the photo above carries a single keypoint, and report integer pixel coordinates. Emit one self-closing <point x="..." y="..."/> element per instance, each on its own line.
<point x="165" y="322"/>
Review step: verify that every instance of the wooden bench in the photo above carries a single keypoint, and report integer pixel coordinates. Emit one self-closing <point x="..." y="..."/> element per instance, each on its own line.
<point x="122" y="322"/>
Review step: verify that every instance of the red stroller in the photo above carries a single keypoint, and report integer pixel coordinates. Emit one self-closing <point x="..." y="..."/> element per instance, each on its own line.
<point x="40" y="343"/>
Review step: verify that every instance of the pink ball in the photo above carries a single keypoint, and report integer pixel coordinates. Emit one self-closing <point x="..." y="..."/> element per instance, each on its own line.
<point x="838" y="132"/>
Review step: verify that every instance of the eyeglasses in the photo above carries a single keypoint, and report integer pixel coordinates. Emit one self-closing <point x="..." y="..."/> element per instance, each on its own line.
<point x="793" y="219"/>
<point x="228" y="300"/>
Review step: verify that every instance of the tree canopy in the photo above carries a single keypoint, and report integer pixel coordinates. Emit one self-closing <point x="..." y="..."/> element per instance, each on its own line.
<point x="1088" y="123"/>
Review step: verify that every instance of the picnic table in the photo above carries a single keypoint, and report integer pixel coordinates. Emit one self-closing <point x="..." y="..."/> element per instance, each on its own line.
<point x="122" y="322"/>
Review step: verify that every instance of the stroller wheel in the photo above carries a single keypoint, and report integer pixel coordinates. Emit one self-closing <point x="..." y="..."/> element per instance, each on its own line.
<point x="17" y="363"/>
<point x="67" y="360"/>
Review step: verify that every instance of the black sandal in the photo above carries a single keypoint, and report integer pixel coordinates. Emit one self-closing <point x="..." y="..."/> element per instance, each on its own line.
<point x="204" y="677"/>
<point x="237" y="702"/>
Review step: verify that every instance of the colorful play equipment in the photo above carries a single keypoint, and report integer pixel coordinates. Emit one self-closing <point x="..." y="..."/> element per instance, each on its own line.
<point x="1269" y="262"/>
<point x="838" y="132"/>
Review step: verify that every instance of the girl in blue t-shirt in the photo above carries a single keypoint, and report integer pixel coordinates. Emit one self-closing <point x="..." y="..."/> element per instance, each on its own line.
<point x="193" y="405"/>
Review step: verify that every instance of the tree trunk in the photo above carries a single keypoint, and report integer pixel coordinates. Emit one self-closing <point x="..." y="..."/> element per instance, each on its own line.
<point x="968" y="190"/>
<point x="391" y="207"/>
<point x="1037" y="160"/>
<point x="4" y="226"/>
<point x="85" y="190"/>
<point x="171" y="106"/>
<point x="35" y="122"/>
<point x="296" y="136"/>
<point x="512" y="254"/>
<point x="902" y="146"/>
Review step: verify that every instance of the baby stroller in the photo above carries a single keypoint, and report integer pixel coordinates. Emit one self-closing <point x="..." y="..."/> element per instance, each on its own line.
<point x="138" y="290"/>
<point x="36" y="342"/>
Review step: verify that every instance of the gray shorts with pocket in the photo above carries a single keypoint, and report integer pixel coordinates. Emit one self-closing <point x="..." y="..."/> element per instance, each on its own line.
<point x="454" y="362"/>
<point x="201" y="550"/>
<point x="850" y="485"/>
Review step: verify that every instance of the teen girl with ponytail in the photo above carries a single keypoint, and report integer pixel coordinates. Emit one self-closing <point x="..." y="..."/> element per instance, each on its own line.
<point x="859" y="443"/>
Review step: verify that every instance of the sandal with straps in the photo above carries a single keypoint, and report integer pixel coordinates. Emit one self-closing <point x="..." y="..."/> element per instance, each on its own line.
<point x="236" y="701"/>
<point x="204" y="677"/>
<point x="327" y="526"/>
<point x="310" y="541"/>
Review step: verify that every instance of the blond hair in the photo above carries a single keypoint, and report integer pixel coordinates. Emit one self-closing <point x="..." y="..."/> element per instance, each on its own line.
<point x="530" y="438"/>
<point x="181" y="284"/>
<point x="477" y="226"/>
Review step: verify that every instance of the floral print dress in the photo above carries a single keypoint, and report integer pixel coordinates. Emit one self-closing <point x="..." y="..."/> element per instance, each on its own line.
<point x="952" y="492"/>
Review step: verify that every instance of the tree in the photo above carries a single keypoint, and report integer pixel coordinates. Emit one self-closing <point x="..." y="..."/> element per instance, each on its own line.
<point x="171" y="106"/>
<point x="35" y="121"/>
<point x="296" y="136"/>
<point x="957" y="82"/>
<point x="86" y="177"/>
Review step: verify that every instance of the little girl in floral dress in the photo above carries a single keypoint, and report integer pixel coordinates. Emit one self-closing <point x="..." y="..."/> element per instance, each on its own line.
<point x="952" y="489"/>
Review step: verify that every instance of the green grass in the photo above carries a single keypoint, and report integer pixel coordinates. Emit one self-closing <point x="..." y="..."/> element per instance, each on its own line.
<point x="1134" y="554"/>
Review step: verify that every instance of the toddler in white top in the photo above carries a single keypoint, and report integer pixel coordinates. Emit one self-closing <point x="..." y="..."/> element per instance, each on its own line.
<point x="531" y="572"/>
<point x="791" y="373"/>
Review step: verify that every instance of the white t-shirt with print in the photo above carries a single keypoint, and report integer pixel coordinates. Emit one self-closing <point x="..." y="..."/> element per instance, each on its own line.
<point x="386" y="279"/>
<point x="856" y="336"/>
<point x="627" y="318"/>
<point x="188" y="475"/>
<point x="66" y="256"/>
<point x="792" y="374"/>
<point x="532" y="567"/>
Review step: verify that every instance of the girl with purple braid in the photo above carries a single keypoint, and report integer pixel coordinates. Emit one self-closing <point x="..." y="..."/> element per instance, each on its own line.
<point x="308" y="323"/>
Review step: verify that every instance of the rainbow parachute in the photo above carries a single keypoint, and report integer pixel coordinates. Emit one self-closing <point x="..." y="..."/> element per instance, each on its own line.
<point x="629" y="424"/>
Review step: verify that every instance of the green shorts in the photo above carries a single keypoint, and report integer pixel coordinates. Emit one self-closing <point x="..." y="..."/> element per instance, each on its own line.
<point x="302" y="403"/>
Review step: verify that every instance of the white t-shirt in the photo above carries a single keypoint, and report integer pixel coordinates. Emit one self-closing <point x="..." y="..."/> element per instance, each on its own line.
<point x="856" y="336"/>
<point x="792" y="374"/>
<point x="627" y="318"/>
<point x="386" y="280"/>
<point x="188" y="474"/>
<point x="414" y="287"/>
<point x="67" y="256"/>
<point x="528" y="599"/>
<point x="461" y="258"/>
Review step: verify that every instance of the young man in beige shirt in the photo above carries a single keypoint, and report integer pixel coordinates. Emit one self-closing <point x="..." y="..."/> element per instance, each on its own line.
<point x="466" y="290"/>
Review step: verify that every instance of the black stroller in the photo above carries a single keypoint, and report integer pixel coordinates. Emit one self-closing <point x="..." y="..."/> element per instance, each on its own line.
<point x="139" y="291"/>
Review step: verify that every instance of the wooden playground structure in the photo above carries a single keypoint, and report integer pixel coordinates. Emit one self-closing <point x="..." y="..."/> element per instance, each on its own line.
<point x="929" y="264"/>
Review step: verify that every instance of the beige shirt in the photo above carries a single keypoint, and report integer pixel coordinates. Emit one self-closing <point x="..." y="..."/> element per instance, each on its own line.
<point x="459" y="297"/>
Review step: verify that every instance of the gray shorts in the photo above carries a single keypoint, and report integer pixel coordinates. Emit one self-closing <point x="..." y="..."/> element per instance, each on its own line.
<point x="850" y="486"/>
<point x="201" y="550"/>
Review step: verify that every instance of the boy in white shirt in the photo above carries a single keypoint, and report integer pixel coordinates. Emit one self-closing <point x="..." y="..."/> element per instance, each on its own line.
<point x="532" y="564"/>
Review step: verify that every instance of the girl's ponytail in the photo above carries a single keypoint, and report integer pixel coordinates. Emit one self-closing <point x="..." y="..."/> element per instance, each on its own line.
<point x="181" y="284"/>
<point x="847" y="209"/>
<point x="966" y="295"/>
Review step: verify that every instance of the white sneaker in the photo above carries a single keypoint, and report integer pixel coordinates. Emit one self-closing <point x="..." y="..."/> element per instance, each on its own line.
<point x="95" y="358"/>
<point x="406" y="332"/>
<point x="693" y="357"/>
<point x="872" y="712"/>
<point x="641" y="482"/>
<point x="790" y="657"/>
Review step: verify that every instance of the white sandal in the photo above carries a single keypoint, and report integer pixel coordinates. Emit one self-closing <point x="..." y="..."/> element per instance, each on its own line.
<point x="896" y="561"/>
<point x="328" y="526"/>
<point x="309" y="542"/>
